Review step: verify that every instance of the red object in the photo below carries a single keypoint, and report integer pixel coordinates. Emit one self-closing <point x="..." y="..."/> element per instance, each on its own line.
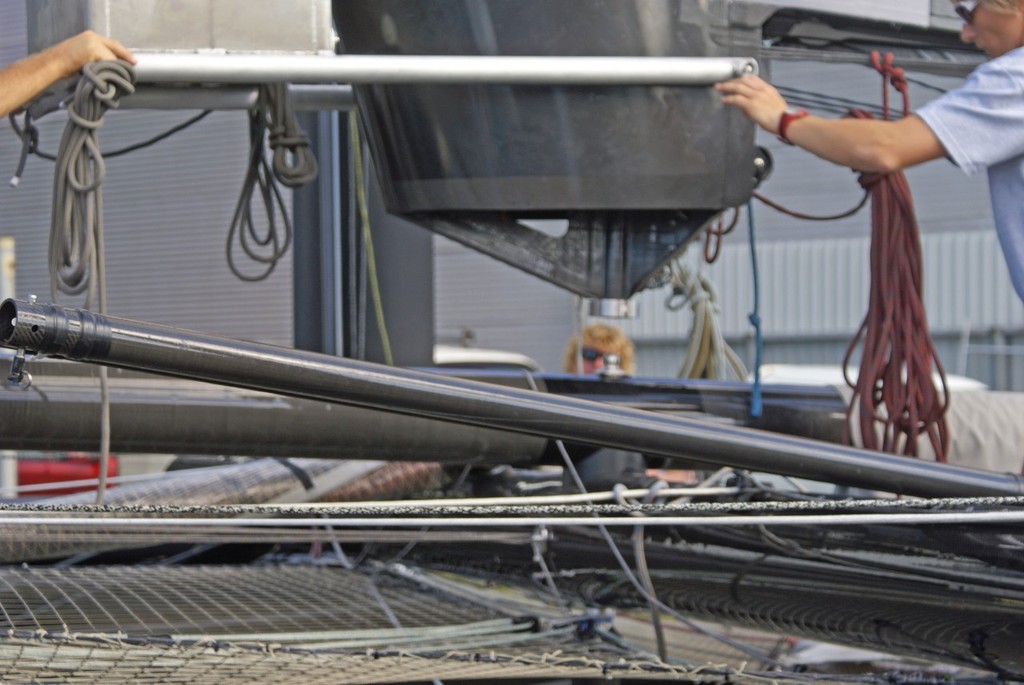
<point x="58" y="469"/>
<point x="895" y="401"/>
<point x="787" y="118"/>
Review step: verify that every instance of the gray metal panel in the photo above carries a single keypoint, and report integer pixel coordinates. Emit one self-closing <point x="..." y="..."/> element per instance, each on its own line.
<point x="232" y="25"/>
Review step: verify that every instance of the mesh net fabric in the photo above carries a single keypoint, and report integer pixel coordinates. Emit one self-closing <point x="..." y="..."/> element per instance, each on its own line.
<point x="273" y="624"/>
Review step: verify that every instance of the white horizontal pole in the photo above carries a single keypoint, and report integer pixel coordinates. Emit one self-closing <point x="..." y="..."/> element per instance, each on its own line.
<point x="367" y="69"/>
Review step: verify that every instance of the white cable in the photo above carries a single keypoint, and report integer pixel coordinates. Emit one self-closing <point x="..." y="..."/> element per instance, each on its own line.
<point x="526" y="500"/>
<point x="652" y="600"/>
<point x="937" y="518"/>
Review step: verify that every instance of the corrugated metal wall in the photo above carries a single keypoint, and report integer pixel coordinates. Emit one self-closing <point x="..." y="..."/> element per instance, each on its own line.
<point x="814" y="296"/>
<point x="167" y="213"/>
<point x="820" y="288"/>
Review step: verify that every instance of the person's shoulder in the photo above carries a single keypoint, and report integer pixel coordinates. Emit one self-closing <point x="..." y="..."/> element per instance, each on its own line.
<point x="1010" y="64"/>
<point x="1015" y="56"/>
<point x="998" y="81"/>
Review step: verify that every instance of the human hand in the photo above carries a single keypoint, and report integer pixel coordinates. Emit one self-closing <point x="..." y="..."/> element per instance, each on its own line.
<point x="756" y="98"/>
<point x="89" y="46"/>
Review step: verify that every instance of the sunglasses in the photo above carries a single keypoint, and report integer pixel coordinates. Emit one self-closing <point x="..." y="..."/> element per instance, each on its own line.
<point x="965" y="10"/>
<point x="592" y="355"/>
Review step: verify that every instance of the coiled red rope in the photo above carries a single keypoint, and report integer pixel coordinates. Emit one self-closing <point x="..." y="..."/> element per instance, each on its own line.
<point x="895" y="399"/>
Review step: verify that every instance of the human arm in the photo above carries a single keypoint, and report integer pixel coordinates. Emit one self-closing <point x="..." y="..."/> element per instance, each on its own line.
<point x="27" y="78"/>
<point x="862" y="144"/>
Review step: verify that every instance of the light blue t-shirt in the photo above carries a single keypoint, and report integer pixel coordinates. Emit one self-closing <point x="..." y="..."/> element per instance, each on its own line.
<point x="981" y="126"/>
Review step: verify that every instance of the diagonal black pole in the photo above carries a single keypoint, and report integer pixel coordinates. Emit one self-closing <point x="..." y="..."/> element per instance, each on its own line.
<point x="82" y="335"/>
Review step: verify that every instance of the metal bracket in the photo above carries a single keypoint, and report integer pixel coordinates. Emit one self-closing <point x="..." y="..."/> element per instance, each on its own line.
<point x="18" y="376"/>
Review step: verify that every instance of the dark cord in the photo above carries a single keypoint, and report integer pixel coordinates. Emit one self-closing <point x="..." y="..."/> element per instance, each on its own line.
<point x="293" y="165"/>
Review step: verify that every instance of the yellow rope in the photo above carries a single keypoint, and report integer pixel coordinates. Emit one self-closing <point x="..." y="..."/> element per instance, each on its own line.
<point x="364" y="220"/>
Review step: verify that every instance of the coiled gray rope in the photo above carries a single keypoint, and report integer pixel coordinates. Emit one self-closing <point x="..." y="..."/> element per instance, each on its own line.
<point x="76" y="235"/>
<point x="293" y="164"/>
<point x="76" y="226"/>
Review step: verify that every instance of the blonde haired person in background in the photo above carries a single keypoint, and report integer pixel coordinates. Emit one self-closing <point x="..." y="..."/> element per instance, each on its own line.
<point x="599" y="339"/>
<point x="23" y="80"/>
<point x="602" y="469"/>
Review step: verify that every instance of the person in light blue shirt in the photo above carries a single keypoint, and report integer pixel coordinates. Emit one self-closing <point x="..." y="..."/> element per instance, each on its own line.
<point x="979" y="125"/>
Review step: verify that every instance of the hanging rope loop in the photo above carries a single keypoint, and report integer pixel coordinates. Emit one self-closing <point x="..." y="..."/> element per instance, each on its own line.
<point x="76" y="249"/>
<point x="293" y="161"/>
<point x="895" y="401"/>
<point x="716" y="232"/>
<point x="76" y="233"/>
<point x="892" y="77"/>
<point x="264" y="237"/>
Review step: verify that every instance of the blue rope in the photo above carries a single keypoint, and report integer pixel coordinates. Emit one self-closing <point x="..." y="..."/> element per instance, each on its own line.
<point x="755" y="319"/>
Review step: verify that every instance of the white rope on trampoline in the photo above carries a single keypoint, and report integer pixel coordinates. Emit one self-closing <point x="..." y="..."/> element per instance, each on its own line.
<point x="368" y="637"/>
<point x="91" y="483"/>
<point x="920" y="518"/>
<point x="608" y="496"/>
